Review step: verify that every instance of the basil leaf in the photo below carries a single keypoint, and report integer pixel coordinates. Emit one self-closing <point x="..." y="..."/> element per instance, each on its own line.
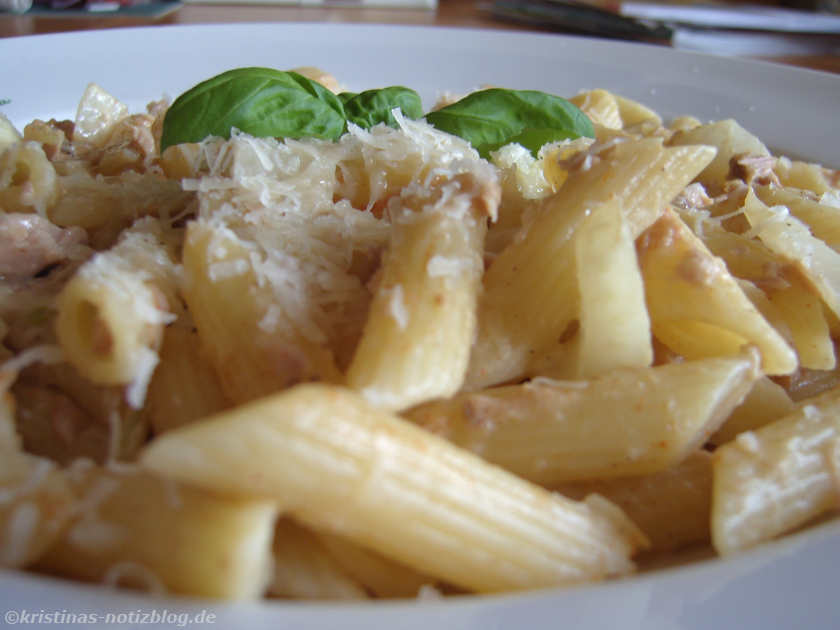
<point x="259" y="101"/>
<point x="491" y="118"/>
<point x="374" y="106"/>
<point x="346" y="96"/>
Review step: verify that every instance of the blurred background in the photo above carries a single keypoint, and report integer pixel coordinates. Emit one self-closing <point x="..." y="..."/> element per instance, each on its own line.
<point x="799" y="32"/>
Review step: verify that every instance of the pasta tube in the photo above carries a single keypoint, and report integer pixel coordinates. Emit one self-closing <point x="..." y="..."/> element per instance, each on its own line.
<point x="185" y="387"/>
<point x="421" y="324"/>
<point x="36" y="505"/>
<point x="628" y="422"/>
<point x="378" y="574"/>
<point x="225" y="298"/>
<point x="766" y="402"/>
<point x="112" y="312"/>
<point x="790" y="238"/>
<point x="823" y="219"/>
<point x="529" y="296"/>
<point x="28" y="181"/>
<point x="135" y="529"/>
<point x="772" y="480"/>
<point x="730" y="140"/>
<point x="697" y="308"/>
<point x="779" y="290"/>
<point x="672" y="507"/>
<point x="342" y="466"/>
<point x="614" y="327"/>
<point x="304" y="569"/>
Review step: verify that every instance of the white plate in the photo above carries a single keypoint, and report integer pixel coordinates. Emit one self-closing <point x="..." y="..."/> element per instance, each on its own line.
<point x="787" y="584"/>
<point x="791" y="110"/>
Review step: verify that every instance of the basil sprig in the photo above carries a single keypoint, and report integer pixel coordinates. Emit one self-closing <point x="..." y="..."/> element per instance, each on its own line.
<point x="375" y="106"/>
<point x="273" y="103"/>
<point x="492" y="118"/>
<point x="259" y="101"/>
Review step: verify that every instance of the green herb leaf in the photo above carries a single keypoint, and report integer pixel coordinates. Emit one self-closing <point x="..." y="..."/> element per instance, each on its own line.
<point x="374" y="106"/>
<point x="489" y="119"/>
<point x="259" y="101"/>
<point x="346" y="96"/>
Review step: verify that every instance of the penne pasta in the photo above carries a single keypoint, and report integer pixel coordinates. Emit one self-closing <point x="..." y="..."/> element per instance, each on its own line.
<point x="780" y="292"/>
<point x="730" y="140"/>
<point x="772" y="480"/>
<point x="304" y="568"/>
<point x="370" y="359"/>
<point x="766" y="402"/>
<point x="185" y="387"/>
<point x="112" y="312"/>
<point x="529" y="296"/>
<point x="36" y="506"/>
<point x="138" y="530"/>
<point x="791" y="239"/>
<point x="28" y="181"/>
<point x="379" y="575"/>
<point x="224" y="297"/>
<point x="696" y="306"/>
<point x="342" y="466"/>
<point x="614" y="327"/>
<point x="421" y="324"/>
<point x="672" y="507"/>
<point x="628" y="422"/>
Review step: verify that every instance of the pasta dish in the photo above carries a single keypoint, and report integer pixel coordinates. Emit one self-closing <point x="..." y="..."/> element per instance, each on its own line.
<point x="372" y="353"/>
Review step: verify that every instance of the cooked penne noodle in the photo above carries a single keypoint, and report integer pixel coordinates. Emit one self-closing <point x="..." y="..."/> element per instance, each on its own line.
<point x="529" y="296"/>
<point x="778" y="290"/>
<point x="601" y="107"/>
<point x="184" y="387"/>
<point x="421" y="324"/>
<point x="135" y="529"/>
<point x="767" y="401"/>
<point x="804" y="175"/>
<point x="614" y="327"/>
<point x="790" y="238"/>
<point x="672" y="507"/>
<point x="112" y="312"/>
<point x="97" y="114"/>
<point x="28" y="181"/>
<point x="36" y="505"/>
<point x="772" y="480"/>
<point x="634" y="113"/>
<point x="304" y="569"/>
<point x="343" y="466"/>
<point x="225" y="297"/>
<point x="105" y="206"/>
<point x="697" y="307"/>
<point x="823" y="219"/>
<point x="380" y="575"/>
<point x="730" y="140"/>
<point x="8" y="134"/>
<point x="628" y="422"/>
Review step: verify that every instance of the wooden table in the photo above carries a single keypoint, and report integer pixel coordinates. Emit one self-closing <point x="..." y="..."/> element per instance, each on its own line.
<point x="463" y="13"/>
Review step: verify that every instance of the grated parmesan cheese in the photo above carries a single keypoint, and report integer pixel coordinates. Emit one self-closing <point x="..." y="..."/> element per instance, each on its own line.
<point x="441" y="266"/>
<point x="396" y="307"/>
<point x="290" y="205"/>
